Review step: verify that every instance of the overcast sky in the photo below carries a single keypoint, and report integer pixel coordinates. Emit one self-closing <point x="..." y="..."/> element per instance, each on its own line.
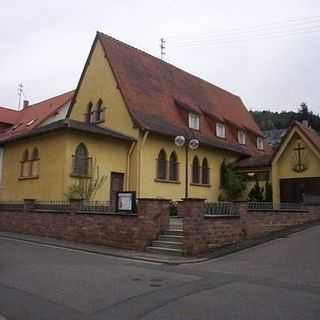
<point x="265" y="51"/>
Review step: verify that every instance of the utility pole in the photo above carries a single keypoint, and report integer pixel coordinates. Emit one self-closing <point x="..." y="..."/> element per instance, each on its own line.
<point x="162" y="47"/>
<point x="20" y="92"/>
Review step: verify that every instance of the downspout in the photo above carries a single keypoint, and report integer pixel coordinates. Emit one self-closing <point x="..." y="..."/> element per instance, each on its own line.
<point x="128" y="164"/>
<point x="144" y="139"/>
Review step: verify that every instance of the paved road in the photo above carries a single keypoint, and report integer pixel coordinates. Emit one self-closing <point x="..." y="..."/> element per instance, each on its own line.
<point x="277" y="280"/>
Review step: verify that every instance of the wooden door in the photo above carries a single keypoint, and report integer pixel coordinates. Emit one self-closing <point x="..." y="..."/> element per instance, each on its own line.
<point x="117" y="182"/>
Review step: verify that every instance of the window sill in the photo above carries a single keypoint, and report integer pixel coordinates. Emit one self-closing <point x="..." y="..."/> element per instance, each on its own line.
<point x="200" y="185"/>
<point x="74" y="175"/>
<point x="167" y="181"/>
<point x="29" y="178"/>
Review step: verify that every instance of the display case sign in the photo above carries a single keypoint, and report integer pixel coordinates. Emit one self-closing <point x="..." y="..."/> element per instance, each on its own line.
<point x="126" y="202"/>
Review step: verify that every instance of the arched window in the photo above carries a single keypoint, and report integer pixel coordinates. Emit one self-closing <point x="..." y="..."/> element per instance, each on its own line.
<point x="89" y="112"/>
<point x="205" y="171"/>
<point x="25" y="169"/>
<point x="173" y="167"/>
<point x="162" y="165"/>
<point x="195" y="170"/>
<point x="81" y="161"/>
<point x="99" y="111"/>
<point x="35" y="162"/>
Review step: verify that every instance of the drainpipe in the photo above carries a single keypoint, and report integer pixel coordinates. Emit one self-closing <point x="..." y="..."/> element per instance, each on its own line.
<point x="128" y="164"/>
<point x="144" y="139"/>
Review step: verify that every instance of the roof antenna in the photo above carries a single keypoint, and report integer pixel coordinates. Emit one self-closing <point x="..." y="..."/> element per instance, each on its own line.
<point x="20" y="92"/>
<point x="162" y="47"/>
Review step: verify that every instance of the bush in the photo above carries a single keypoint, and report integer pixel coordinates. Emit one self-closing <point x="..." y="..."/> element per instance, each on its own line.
<point x="256" y="193"/>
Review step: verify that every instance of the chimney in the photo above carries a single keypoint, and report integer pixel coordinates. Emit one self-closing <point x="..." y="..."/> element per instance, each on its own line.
<point x="25" y="104"/>
<point x="305" y="123"/>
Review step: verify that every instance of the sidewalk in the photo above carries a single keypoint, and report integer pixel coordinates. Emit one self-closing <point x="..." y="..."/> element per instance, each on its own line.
<point x="103" y="250"/>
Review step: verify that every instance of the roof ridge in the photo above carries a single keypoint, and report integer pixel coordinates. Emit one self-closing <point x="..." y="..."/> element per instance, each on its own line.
<point x="165" y="62"/>
<point x="45" y="100"/>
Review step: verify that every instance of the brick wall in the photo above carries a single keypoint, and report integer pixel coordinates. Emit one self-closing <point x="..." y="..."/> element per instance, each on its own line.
<point x="203" y="232"/>
<point x="129" y="231"/>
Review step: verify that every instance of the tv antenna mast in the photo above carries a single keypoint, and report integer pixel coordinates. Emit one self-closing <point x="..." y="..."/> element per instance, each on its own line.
<point x="20" y="93"/>
<point x="162" y="47"/>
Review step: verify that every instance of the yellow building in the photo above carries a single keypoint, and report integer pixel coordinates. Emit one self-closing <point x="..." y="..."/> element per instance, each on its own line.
<point x="119" y="128"/>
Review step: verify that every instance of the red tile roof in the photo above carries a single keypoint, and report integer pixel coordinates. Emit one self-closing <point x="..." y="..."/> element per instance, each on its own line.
<point x="310" y="133"/>
<point x="33" y="115"/>
<point x="8" y="116"/>
<point x="155" y="92"/>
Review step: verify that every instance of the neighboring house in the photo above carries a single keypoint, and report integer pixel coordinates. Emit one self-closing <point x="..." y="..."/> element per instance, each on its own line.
<point x="274" y="136"/>
<point x="122" y="119"/>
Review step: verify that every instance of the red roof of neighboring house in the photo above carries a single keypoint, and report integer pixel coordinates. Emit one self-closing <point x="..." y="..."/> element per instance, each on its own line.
<point x="310" y="133"/>
<point x="156" y="93"/>
<point x="8" y="116"/>
<point x="33" y="115"/>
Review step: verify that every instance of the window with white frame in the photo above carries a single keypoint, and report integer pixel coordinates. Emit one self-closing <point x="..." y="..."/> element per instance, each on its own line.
<point x="194" y="121"/>
<point x="260" y="145"/>
<point x="241" y="137"/>
<point x="220" y="130"/>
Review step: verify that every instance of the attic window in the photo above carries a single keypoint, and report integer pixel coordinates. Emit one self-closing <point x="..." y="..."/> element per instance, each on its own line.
<point x="241" y="137"/>
<point x="260" y="145"/>
<point x="220" y="130"/>
<point x="194" y="121"/>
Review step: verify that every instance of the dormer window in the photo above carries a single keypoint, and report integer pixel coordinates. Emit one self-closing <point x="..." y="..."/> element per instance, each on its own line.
<point x="241" y="137"/>
<point x="260" y="145"/>
<point x="220" y="130"/>
<point x="194" y="121"/>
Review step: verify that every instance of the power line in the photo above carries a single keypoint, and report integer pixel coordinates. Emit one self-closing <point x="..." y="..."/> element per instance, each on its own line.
<point x="235" y="31"/>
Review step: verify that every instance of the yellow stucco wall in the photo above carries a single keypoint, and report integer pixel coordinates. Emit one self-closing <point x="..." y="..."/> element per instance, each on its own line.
<point x="110" y="155"/>
<point x="99" y="83"/>
<point x="50" y="184"/>
<point x="176" y="191"/>
<point x="56" y="152"/>
<point x="282" y="164"/>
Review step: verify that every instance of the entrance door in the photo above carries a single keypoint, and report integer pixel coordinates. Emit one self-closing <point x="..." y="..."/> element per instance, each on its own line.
<point x="117" y="181"/>
<point x="294" y="190"/>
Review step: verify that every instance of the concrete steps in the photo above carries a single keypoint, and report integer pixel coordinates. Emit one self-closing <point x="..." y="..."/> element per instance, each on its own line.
<point x="171" y="241"/>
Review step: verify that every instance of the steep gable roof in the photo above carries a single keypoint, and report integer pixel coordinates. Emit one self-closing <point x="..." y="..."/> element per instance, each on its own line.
<point x="152" y="87"/>
<point x="33" y="115"/>
<point x="155" y="92"/>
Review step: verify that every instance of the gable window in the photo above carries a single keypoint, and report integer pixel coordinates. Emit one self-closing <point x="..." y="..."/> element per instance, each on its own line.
<point x="194" y="121"/>
<point x="195" y="170"/>
<point x="99" y="112"/>
<point x="260" y="145"/>
<point x="89" y="113"/>
<point x="35" y="160"/>
<point x="25" y="168"/>
<point x="205" y="172"/>
<point x="81" y="161"/>
<point x="162" y="165"/>
<point x="173" y="167"/>
<point x="241" y="137"/>
<point x="220" y="130"/>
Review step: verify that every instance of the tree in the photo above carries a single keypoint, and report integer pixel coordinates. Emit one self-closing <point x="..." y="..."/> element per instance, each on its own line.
<point x="256" y="193"/>
<point x="303" y="113"/>
<point x="232" y="182"/>
<point x="268" y="193"/>
<point x="85" y="188"/>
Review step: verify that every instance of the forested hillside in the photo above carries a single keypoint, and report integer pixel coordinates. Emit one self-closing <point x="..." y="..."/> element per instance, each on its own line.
<point x="280" y="120"/>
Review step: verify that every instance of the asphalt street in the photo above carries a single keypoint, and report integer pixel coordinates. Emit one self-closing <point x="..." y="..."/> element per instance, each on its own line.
<point x="279" y="279"/>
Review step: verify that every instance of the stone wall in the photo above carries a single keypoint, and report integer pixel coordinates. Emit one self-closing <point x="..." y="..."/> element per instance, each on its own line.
<point x="129" y="231"/>
<point x="203" y="232"/>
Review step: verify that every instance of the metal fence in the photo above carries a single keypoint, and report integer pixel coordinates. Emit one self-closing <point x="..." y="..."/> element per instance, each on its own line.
<point x="97" y="206"/>
<point x="62" y="206"/>
<point x="222" y="209"/>
<point x="278" y="206"/>
<point x="11" y="205"/>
